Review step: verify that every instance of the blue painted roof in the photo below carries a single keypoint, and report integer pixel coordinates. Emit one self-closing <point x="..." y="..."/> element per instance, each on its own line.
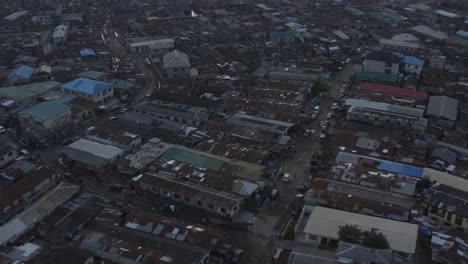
<point x="23" y="72"/>
<point x="411" y="60"/>
<point x="462" y="33"/>
<point x="87" y="86"/>
<point x="87" y="52"/>
<point x="400" y="168"/>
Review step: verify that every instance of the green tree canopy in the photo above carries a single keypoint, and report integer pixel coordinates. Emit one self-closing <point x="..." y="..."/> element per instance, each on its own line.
<point x="350" y="234"/>
<point x="375" y="240"/>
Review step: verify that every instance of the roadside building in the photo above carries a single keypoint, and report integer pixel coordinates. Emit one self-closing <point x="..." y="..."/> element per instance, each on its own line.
<point x="322" y="226"/>
<point x="15" y="22"/>
<point x="442" y="110"/>
<point x="93" y="155"/>
<point x="383" y="62"/>
<point x="18" y="226"/>
<point x="20" y="75"/>
<point x="429" y="33"/>
<point x="399" y="46"/>
<point x="386" y="115"/>
<point x="194" y="195"/>
<point x="412" y="64"/>
<point x="47" y="14"/>
<point x="176" y="65"/>
<point x="45" y="119"/>
<point x="448" y="205"/>
<point x="60" y="34"/>
<point x="28" y="188"/>
<point x="8" y="151"/>
<point x="157" y="46"/>
<point x="96" y="91"/>
<point x="173" y="113"/>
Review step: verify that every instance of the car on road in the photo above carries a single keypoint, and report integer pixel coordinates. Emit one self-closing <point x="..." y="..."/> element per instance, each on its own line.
<point x="306" y="133"/>
<point x="329" y="115"/>
<point x="286" y="178"/>
<point x="313" y="116"/>
<point x="335" y="106"/>
<point x="113" y="118"/>
<point x="274" y="194"/>
<point x="2" y="130"/>
<point x="316" y="110"/>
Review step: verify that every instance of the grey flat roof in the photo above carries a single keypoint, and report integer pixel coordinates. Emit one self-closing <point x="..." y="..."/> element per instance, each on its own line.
<point x="384" y="107"/>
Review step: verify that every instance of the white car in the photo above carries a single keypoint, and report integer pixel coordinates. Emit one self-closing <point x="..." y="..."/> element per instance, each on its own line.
<point x="2" y="130"/>
<point x="286" y="178"/>
<point x="335" y="106"/>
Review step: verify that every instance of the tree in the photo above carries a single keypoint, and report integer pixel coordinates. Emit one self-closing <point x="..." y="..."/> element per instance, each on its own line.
<point x="350" y="234"/>
<point x="289" y="230"/>
<point x="375" y="240"/>
<point x="319" y="87"/>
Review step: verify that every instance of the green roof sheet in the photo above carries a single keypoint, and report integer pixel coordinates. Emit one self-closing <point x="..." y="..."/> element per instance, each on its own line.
<point x="26" y="91"/>
<point x="236" y="168"/>
<point x="458" y="41"/>
<point x="95" y="75"/>
<point x="123" y="84"/>
<point x="45" y="110"/>
<point x="377" y="76"/>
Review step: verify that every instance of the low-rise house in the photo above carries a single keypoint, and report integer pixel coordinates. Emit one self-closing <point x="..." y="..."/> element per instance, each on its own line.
<point x="191" y="194"/>
<point x="176" y="65"/>
<point x="448" y="206"/>
<point x="28" y="93"/>
<point x="323" y="224"/>
<point x="15" y="22"/>
<point x="25" y="221"/>
<point x="60" y="34"/>
<point x="93" y="155"/>
<point x="411" y="64"/>
<point x="383" y="114"/>
<point x="124" y="140"/>
<point x="8" y="151"/>
<point x="383" y="62"/>
<point x="429" y="33"/>
<point x="121" y="251"/>
<point x="45" y="119"/>
<point x="99" y="92"/>
<point x="94" y="75"/>
<point x="161" y="111"/>
<point x="157" y="46"/>
<point x="399" y="46"/>
<point x="25" y="190"/>
<point x="47" y="14"/>
<point x="442" y="110"/>
<point x="394" y="94"/>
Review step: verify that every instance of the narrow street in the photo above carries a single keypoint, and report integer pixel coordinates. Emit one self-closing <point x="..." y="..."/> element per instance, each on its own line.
<point x="261" y="240"/>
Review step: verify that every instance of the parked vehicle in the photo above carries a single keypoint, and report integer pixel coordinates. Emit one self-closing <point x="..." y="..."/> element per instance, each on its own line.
<point x="286" y="178"/>
<point x="274" y="194"/>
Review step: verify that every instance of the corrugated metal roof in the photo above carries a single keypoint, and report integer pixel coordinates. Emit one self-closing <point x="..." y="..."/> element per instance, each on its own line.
<point x="46" y="110"/>
<point x="87" y="86"/>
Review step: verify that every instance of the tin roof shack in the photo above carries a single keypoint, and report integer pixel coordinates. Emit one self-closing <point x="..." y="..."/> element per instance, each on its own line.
<point x="448" y="246"/>
<point x="220" y="245"/>
<point x="93" y="155"/>
<point x="27" y="187"/>
<point x="442" y="110"/>
<point x="234" y="168"/>
<point x="28" y="93"/>
<point x="123" y="249"/>
<point x="46" y="119"/>
<point x="145" y="156"/>
<point x="322" y="226"/>
<point x="193" y="195"/>
<point x="20" y="75"/>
